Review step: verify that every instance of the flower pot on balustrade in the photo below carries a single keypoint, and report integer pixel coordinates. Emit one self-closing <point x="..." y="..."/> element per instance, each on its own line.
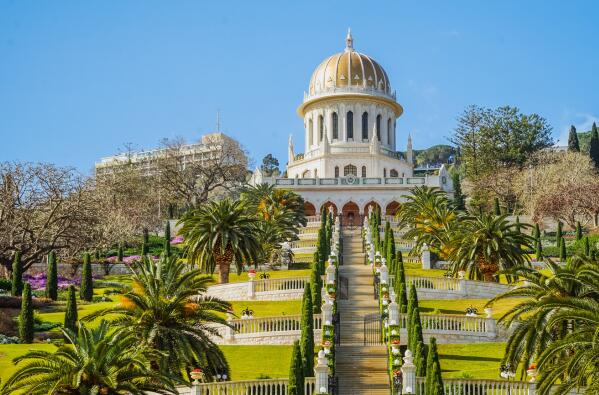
<point x="532" y="372"/>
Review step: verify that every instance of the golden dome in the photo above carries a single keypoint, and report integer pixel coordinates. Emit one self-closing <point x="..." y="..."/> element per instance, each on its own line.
<point x="349" y="68"/>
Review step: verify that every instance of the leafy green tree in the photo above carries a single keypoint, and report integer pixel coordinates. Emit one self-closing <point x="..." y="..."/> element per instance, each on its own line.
<point x="70" y="316"/>
<point x="270" y="165"/>
<point x="17" y="275"/>
<point x="220" y="233"/>
<point x="420" y="359"/>
<point x="497" y="207"/>
<point x="459" y="201"/>
<point x="434" y="382"/>
<point x="87" y="283"/>
<point x="573" y="144"/>
<point x="578" y="231"/>
<point x="483" y="245"/>
<point x="167" y="310"/>
<point x="26" y="317"/>
<point x="390" y="250"/>
<point x="594" y="145"/>
<point x="52" y="277"/>
<point x="167" y="238"/>
<point x="307" y="335"/>
<point x="562" y="250"/>
<point x="296" y="371"/>
<point x="558" y="234"/>
<point x="93" y="361"/>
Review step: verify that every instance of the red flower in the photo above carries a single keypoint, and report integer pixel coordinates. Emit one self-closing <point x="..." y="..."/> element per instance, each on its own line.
<point x="197" y="370"/>
<point x="532" y="366"/>
<point x="395" y="342"/>
<point x="252" y="271"/>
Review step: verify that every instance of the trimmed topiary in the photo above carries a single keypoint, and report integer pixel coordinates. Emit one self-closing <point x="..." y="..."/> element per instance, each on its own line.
<point x="167" y="238"/>
<point x="87" y="285"/>
<point x="307" y="334"/>
<point x="434" y="382"/>
<point x="578" y="231"/>
<point x="52" y="277"/>
<point x="70" y="316"/>
<point x="562" y="250"/>
<point x="26" y="317"/>
<point x="296" y="371"/>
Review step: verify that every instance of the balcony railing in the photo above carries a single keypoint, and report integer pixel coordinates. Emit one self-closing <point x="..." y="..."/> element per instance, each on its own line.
<point x="344" y="182"/>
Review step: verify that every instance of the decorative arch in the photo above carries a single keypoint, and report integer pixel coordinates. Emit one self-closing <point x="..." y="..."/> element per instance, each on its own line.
<point x="309" y="209"/>
<point x="350" y="170"/>
<point x="350" y="214"/>
<point x="306" y="174"/>
<point x="392" y="208"/>
<point x="370" y="206"/>
<point x="325" y="206"/>
<point x="393" y="173"/>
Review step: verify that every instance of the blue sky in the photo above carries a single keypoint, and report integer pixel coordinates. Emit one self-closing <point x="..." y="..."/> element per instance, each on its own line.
<point x="80" y="79"/>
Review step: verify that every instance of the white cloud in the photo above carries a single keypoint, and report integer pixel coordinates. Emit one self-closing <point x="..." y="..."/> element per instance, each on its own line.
<point x="582" y="122"/>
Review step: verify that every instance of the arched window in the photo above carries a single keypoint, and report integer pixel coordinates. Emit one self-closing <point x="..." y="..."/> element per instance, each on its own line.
<point x="389" y="132"/>
<point x="385" y="172"/>
<point x="363" y="171"/>
<point x="350" y="170"/>
<point x="365" y="126"/>
<point x="335" y="126"/>
<point x="336" y="171"/>
<point x="320" y="128"/>
<point x="349" y="123"/>
<point x="378" y="127"/>
<point x="310" y="132"/>
<point x="393" y="173"/>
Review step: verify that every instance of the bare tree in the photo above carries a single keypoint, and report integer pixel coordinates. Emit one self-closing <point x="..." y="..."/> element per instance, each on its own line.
<point x="190" y="174"/>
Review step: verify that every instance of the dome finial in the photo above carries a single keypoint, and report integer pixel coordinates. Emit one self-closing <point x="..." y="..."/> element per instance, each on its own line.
<point x="349" y="41"/>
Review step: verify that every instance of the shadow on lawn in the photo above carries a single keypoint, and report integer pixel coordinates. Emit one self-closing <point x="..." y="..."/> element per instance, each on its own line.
<point x="468" y="358"/>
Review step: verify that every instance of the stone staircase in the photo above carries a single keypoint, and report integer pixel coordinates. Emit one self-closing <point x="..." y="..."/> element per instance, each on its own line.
<point x="362" y="370"/>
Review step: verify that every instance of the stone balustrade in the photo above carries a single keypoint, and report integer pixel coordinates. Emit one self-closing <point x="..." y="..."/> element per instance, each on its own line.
<point x="477" y="387"/>
<point x="248" y="387"/>
<point x="290" y="288"/>
<point x="451" y="288"/>
<point x="449" y="328"/>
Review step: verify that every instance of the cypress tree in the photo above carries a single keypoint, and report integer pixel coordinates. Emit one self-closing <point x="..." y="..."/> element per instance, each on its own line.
<point x="497" y="207"/>
<point x="26" y="317"/>
<point x="17" y="275"/>
<point x="119" y="254"/>
<point x="400" y="288"/>
<point x="87" y="285"/>
<point x="573" y="145"/>
<point x="167" y="238"/>
<point x="390" y="251"/>
<point x="594" y="145"/>
<point x="416" y="329"/>
<point x="420" y="360"/>
<point x="316" y="287"/>
<point x="386" y="241"/>
<point x="307" y="334"/>
<point x="587" y="247"/>
<point x="144" y="249"/>
<point x="578" y="231"/>
<point x="539" y="250"/>
<point x="434" y="382"/>
<point x="146" y="236"/>
<point x="518" y="223"/>
<point x="458" y="197"/>
<point x="562" y="251"/>
<point x="52" y="277"/>
<point x="537" y="232"/>
<point x="412" y="305"/>
<point x="70" y="316"/>
<point x="558" y="234"/>
<point x="296" y="371"/>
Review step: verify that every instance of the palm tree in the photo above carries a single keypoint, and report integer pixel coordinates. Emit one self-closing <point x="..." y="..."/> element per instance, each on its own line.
<point x="485" y="244"/>
<point x="431" y="219"/>
<point x="220" y="233"/>
<point x="166" y="311"/>
<point x="94" y="361"/>
<point x="555" y="323"/>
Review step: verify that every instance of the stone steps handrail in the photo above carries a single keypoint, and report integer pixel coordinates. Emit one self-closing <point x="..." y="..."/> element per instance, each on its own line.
<point x="452" y="322"/>
<point x="251" y="387"/>
<point x="281" y="284"/>
<point x="485" y="386"/>
<point x="280" y="323"/>
<point x="440" y="283"/>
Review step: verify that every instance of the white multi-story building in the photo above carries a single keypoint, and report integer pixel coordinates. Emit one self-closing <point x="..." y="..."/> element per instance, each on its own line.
<point x="350" y="161"/>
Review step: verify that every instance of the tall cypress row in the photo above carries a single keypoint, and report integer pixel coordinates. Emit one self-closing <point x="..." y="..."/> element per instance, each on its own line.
<point x="412" y="305"/>
<point x="434" y="382"/>
<point x="296" y="371"/>
<point x="594" y="145"/>
<point x="17" y="275"/>
<point x="167" y="238"/>
<point x="26" y="317"/>
<point x="52" y="277"/>
<point x="573" y="144"/>
<point x="87" y="285"/>
<point x="578" y="231"/>
<point x="558" y="234"/>
<point x="316" y="287"/>
<point x="307" y="333"/>
<point x="416" y="329"/>
<point x="70" y="316"/>
<point x="562" y="250"/>
<point x="400" y="285"/>
<point x="119" y="254"/>
<point x="497" y="207"/>
<point x="420" y="359"/>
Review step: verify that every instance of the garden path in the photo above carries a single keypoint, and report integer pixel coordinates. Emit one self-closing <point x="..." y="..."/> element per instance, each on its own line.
<point x="361" y="369"/>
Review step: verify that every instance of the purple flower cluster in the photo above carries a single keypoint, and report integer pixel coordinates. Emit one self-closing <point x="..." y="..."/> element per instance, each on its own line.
<point x="38" y="281"/>
<point x="177" y="240"/>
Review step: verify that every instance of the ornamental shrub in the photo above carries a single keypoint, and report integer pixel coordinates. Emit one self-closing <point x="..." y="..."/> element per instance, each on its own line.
<point x="119" y="254"/>
<point x="70" y="316"/>
<point x="587" y="247"/>
<point x="167" y="238"/>
<point x="307" y="335"/>
<point x="296" y="371"/>
<point x="497" y="207"/>
<point x="26" y="318"/>
<point x="537" y="232"/>
<point x="415" y="335"/>
<point x="420" y="359"/>
<point x="562" y="250"/>
<point x="578" y="231"/>
<point x="539" y="249"/>
<point x="87" y="285"/>
<point x="316" y="287"/>
<point x="434" y="382"/>
<point x="52" y="277"/>
<point x="558" y="234"/>
<point x="17" y="275"/>
<point x="390" y="251"/>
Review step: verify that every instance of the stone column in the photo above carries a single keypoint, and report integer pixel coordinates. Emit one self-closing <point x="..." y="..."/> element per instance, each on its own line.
<point x="229" y="331"/>
<point x="462" y="284"/>
<point x="490" y="323"/>
<point x="251" y="289"/>
<point x="426" y="257"/>
<point x="393" y="313"/>
<point x="327" y="313"/>
<point x="408" y="374"/>
<point x="384" y="270"/>
<point x="321" y="373"/>
<point x="331" y="273"/>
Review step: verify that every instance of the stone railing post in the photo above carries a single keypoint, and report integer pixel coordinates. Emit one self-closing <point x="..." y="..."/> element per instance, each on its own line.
<point x="229" y="331"/>
<point x="321" y="373"/>
<point x="408" y="374"/>
<point x="490" y="323"/>
<point x="393" y="313"/>
<point x="426" y="257"/>
<point x="251" y="289"/>
<point x="462" y="283"/>
<point x="331" y="274"/>
<point x="384" y="271"/>
<point x="327" y="314"/>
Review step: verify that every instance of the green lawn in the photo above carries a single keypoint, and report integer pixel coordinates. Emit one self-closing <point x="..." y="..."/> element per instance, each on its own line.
<point x="459" y="306"/>
<point x="268" y="308"/>
<point x="10" y="351"/>
<point x="415" y="269"/>
<point x="251" y="362"/>
<point x="479" y="361"/>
